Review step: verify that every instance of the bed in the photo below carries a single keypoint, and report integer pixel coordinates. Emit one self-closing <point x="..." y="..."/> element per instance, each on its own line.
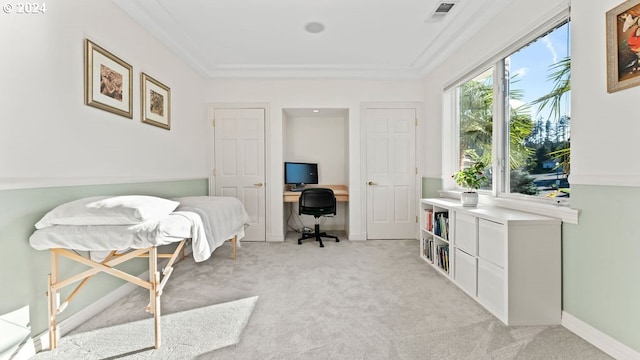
<point x="103" y="232"/>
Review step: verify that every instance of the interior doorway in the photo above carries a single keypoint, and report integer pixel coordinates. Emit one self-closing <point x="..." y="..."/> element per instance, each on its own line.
<point x="319" y="136"/>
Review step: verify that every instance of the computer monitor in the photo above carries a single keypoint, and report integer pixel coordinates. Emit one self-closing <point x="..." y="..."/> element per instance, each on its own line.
<point x="300" y="174"/>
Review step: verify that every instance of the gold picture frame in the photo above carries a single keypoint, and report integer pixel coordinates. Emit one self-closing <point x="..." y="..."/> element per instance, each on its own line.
<point x="623" y="46"/>
<point x="155" y="102"/>
<point x="108" y="81"/>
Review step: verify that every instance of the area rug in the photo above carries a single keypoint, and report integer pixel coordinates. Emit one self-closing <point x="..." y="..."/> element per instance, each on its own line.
<point x="185" y="335"/>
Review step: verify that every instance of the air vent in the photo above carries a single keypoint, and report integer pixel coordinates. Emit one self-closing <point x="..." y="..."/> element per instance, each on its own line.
<point x="444" y="8"/>
<point x="441" y="10"/>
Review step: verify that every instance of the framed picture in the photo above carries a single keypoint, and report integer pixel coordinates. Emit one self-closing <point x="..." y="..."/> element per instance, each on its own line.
<point x="108" y="81"/>
<point x="156" y="102"/>
<point x="623" y="46"/>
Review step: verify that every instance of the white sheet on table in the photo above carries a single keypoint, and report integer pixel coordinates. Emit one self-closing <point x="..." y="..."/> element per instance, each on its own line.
<point x="223" y="217"/>
<point x="170" y="229"/>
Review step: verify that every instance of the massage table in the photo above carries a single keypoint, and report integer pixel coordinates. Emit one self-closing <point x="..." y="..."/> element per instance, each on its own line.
<point x="207" y="222"/>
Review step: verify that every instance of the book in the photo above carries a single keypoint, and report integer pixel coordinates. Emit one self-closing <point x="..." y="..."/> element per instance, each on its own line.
<point x="443" y="257"/>
<point x="429" y="219"/>
<point x="441" y="225"/>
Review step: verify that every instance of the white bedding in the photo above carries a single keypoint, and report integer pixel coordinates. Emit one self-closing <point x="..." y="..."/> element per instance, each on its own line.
<point x="172" y="228"/>
<point x="209" y="222"/>
<point x="222" y="216"/>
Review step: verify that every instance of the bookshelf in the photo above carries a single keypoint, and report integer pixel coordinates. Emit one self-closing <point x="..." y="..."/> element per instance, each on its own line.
<point x="508" y="261"/>
<point x="434" y="240"/>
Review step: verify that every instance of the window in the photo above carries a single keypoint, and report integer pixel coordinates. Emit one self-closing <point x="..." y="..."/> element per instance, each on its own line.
<point x="475" y="116"/>
<point x="523" y="131"/>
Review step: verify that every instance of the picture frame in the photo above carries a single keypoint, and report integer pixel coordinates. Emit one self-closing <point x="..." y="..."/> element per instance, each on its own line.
<point x="155" y="102"/>
<point x="623" y="46"/>
<point x="108" y="81"/>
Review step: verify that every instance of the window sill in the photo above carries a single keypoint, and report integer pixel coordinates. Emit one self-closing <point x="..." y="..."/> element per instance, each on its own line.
<point x="560" y="209"/>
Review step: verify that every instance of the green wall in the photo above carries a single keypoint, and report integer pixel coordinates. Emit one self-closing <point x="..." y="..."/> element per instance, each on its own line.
<point x="23" y="270"/>
<point x="430" y="187"/>
<point x="601" y="261"/>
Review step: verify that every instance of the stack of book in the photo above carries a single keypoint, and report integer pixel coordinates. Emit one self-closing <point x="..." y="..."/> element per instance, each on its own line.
<point x="443" y="257"/>
<point x="429" y="222"/>
<point x="441" y="225"/>
<point x="428" y="249"/>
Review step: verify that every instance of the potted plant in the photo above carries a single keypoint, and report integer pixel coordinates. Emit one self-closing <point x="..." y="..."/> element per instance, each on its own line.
<point x="471" y="178"/>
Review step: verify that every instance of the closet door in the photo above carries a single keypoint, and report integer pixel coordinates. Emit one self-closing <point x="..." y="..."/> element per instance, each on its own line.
<point x="239" y="168"/>
<point x="391" y="173"/>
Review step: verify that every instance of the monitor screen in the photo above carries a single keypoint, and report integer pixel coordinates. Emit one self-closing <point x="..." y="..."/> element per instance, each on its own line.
<point x="300" y="173"/>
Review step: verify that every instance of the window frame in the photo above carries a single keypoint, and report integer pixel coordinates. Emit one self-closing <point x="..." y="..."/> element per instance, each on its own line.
<point x="500" y="138"/>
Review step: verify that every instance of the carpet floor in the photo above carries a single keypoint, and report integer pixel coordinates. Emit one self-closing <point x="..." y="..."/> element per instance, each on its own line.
<point x="349" y="300"/>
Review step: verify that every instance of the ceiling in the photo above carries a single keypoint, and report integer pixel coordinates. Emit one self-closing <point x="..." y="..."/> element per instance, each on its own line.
<point x="391" y="39"/>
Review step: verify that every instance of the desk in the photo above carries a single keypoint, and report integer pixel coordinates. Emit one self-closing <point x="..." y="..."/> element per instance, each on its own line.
<point x="341" y="192"/>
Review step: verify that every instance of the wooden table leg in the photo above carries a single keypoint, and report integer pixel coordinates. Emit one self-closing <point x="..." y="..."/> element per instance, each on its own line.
<point x="234" y="240"/>
<point x="52" y="295"/>
<point x="154" y="293"/>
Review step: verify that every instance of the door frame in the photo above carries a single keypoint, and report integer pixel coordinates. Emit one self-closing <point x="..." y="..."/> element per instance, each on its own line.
<point x="211" y="161"/>
<point x="419" y="149"/>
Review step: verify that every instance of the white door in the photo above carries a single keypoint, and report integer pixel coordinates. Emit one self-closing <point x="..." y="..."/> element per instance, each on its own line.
<point x="391" y="173"/>
<point x="239" y="163"/>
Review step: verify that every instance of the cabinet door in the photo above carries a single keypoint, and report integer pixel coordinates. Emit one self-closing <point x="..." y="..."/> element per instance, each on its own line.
<point x="465" y="272"/>
<point x="492" y="241"/>
<point x="491" y="288"/>
<point x="466" y="233"/>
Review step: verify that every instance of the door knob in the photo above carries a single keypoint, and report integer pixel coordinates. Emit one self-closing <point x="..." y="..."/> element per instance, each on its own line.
<point x="258" y="184"/>
<point x="371" y="183"/>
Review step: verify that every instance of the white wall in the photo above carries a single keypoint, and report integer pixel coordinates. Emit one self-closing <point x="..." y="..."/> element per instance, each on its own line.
<point x="322" y="140"/>
<point x="605" y="130"/>
<point x="47" y="131"/>
<point x="325" y="93"/>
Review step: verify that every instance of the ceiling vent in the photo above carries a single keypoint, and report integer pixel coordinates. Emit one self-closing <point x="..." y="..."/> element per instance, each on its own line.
<point x="443" y="9"/>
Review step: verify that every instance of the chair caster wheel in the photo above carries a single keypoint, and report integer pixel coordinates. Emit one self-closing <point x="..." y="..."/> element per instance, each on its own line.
<point x="299" y="242"/>
<point x="337" y="240"/>
<point x="321" y="245"/>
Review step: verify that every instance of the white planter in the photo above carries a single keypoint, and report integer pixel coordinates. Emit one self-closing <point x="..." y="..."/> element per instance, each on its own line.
<point x="469" y="198"/>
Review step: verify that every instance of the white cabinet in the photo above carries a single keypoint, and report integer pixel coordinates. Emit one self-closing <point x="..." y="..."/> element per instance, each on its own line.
<point x="466" y="228"/>
<point x="491" y="289"/>
<point x="508" y="261"/>
<point x="492" y="241"/>
<point x="465" y="271"/>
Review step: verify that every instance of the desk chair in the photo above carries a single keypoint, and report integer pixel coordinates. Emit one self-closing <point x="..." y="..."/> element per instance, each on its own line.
<point x="317" y="202"/>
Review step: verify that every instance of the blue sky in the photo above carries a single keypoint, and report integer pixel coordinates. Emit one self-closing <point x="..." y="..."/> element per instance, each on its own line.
<point x="532" y="64"/>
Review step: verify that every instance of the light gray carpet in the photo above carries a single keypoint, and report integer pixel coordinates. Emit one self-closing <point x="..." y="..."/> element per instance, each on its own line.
<point x="349" y="300"/>
<point x="135" y="340"/>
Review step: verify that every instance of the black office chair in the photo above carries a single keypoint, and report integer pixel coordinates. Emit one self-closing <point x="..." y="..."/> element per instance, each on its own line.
<point x="317" y="202"/>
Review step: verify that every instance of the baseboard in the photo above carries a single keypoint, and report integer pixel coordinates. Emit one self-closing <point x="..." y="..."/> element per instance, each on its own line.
<point x="357" y="236"/>
<point x="598" y="339"/>
<point x="275" y="237"/>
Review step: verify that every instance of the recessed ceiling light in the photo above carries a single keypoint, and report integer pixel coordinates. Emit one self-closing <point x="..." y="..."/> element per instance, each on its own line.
<point x="316" y="110"/>
<point x="314" y="27"/>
